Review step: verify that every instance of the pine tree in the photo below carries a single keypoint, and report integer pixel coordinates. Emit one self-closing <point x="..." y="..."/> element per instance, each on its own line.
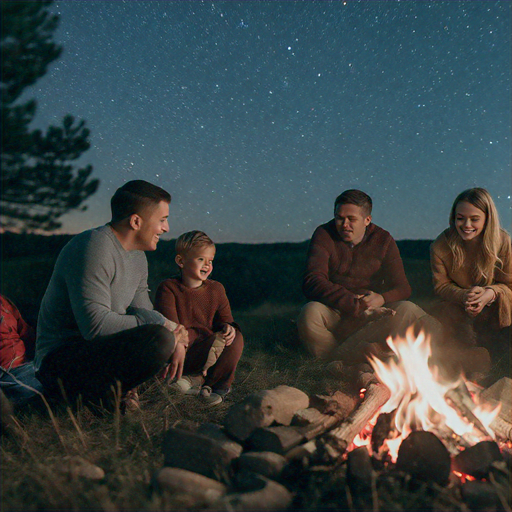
<point x="39" y="181"/>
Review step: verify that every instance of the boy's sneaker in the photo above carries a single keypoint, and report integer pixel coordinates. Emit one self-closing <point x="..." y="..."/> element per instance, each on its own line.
<point x="188" y="384"/>
<point x="210" y="397"/>
<point x="130" y="401"/>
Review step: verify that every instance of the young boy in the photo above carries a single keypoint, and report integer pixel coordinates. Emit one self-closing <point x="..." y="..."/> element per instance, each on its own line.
<point x="201" y="305"/>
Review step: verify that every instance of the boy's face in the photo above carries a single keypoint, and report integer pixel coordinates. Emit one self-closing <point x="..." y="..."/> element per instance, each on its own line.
<point x="197" y="265"/>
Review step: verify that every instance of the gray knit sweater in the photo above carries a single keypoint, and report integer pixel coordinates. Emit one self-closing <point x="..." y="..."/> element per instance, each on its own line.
<point x="97" y="288"/>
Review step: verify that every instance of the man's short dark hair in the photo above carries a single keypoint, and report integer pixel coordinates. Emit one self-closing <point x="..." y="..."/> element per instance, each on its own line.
<point x="134" y="197"/>
<point x="357" y="197"/>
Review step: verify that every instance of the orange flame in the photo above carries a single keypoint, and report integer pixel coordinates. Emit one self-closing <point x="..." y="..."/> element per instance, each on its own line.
<point x="418" y="397"/>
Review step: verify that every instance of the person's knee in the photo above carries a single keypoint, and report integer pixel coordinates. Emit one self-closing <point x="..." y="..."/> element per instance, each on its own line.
<point x="313" y="331"/>
<point x="408" y="309"/>
<point x="162" y="342"/>
<point x="310" y="316"/>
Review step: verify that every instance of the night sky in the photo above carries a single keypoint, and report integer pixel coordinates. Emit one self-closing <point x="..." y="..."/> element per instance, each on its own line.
<point x="255" y="115"/>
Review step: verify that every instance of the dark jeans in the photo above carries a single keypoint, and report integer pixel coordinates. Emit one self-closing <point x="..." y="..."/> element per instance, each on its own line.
<point x="92" y="368"/>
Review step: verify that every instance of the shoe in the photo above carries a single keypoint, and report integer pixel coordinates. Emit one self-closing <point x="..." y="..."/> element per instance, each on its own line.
<point x="188" y="384"/>
<point x="210" y="397"/>
<point x="130" y="402"/>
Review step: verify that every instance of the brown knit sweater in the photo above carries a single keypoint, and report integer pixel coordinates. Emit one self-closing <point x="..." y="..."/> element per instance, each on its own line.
<point x="452" y="284"/>
<point x="336" y="271"/>
<point x="202" y="310"/>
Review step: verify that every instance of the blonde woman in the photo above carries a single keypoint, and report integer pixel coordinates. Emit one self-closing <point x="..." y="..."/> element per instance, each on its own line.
<point x="471" y="267"/>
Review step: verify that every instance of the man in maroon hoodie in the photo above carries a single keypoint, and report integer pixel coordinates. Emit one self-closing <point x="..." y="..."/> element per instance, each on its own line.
<point x="356" y="283"/>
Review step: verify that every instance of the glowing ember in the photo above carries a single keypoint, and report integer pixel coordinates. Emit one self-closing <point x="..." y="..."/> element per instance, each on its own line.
<point x="419" y="398"/>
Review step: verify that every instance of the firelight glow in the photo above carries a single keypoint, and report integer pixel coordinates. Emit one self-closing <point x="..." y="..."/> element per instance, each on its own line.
<point x="417" y="395"/>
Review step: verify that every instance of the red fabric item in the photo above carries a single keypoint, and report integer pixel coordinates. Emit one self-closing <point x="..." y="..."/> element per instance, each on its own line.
<point x="13" y="332"/>
<point x="201" y="310"/>
<point x="337" y="271"/>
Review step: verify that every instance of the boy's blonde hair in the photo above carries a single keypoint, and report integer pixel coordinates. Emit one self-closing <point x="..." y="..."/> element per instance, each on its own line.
<point x="190" y="240"/>
<point x="487" y="258"/>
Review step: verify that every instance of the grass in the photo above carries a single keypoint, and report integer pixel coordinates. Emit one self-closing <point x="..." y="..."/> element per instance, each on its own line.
<point x="128" y="448"/>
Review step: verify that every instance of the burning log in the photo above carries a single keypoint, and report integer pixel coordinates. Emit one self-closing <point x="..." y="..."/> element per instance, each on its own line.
<point x="502" y="428"/>
<point x="424" y="456"/>
<point x="460" y="399"/>
<point x="384" y="429"/>
<point x="375" y="397"/>
<point x="338" y="439"/>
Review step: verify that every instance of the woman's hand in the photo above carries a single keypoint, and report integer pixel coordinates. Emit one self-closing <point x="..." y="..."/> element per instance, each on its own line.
<point x="476" y="298"/>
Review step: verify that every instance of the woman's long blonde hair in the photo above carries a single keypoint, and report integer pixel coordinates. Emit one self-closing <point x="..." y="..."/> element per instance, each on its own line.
<point x="487" y="257"/>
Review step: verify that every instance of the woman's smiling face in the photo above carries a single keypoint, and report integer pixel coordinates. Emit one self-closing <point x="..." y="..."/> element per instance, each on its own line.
<point x="469" y="221"/>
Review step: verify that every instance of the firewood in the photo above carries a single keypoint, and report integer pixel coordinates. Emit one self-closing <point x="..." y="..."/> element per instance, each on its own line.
<point x="281" y="439"/>
<point x="502" y="428"/>
<point x="305" y="417"/>
<point x="460" y="399"/>
<point x="424" y="456"/>
<point x="341" y="437"/>
<point x="338" y="402"/>
<point x="478" y="459"/>
<point x="375" y="397"/>
<point x="263" y="408"/>
<point x="384" y="429"/>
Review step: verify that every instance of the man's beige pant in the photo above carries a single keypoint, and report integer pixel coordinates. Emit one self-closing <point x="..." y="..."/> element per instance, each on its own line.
<point x="328" y="335"/>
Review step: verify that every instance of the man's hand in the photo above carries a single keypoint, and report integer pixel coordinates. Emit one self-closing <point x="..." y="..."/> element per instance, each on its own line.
<point x="181" y="335"/>
<point x="372" y="299"/>
<point x="175" y="367"/>
<point x="376" y="313"/>
<point x="228" y="333"/>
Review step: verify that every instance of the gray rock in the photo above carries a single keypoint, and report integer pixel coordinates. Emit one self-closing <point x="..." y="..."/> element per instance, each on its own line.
<point x="218" y="433"/>
<point x="199" y="490"/>
<point x="268" y="464"/>
<point x="78" y="467"/>
<point x="197" y="453"/>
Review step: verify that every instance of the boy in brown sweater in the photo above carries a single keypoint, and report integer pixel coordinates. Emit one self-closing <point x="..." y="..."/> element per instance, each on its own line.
<point x="201" y="305"/>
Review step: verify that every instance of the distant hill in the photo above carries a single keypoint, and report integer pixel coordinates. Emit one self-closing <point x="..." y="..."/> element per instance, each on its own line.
<point x="253" y="274"/>
<point x="16" y="245"/>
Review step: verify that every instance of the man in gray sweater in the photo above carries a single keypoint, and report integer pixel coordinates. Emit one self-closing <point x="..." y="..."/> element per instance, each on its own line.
<point x="96" y="325"/>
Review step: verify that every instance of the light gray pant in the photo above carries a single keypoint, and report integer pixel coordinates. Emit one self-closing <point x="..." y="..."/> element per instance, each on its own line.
<point x="324" y="331"/>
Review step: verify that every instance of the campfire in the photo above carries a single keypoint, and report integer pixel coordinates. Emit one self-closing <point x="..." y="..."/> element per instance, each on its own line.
<point x="400" y="418"/>
<point x="420" y="400"/>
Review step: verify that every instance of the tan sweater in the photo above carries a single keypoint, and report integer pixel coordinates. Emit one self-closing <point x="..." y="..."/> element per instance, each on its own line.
<point x="452" y="285"/>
